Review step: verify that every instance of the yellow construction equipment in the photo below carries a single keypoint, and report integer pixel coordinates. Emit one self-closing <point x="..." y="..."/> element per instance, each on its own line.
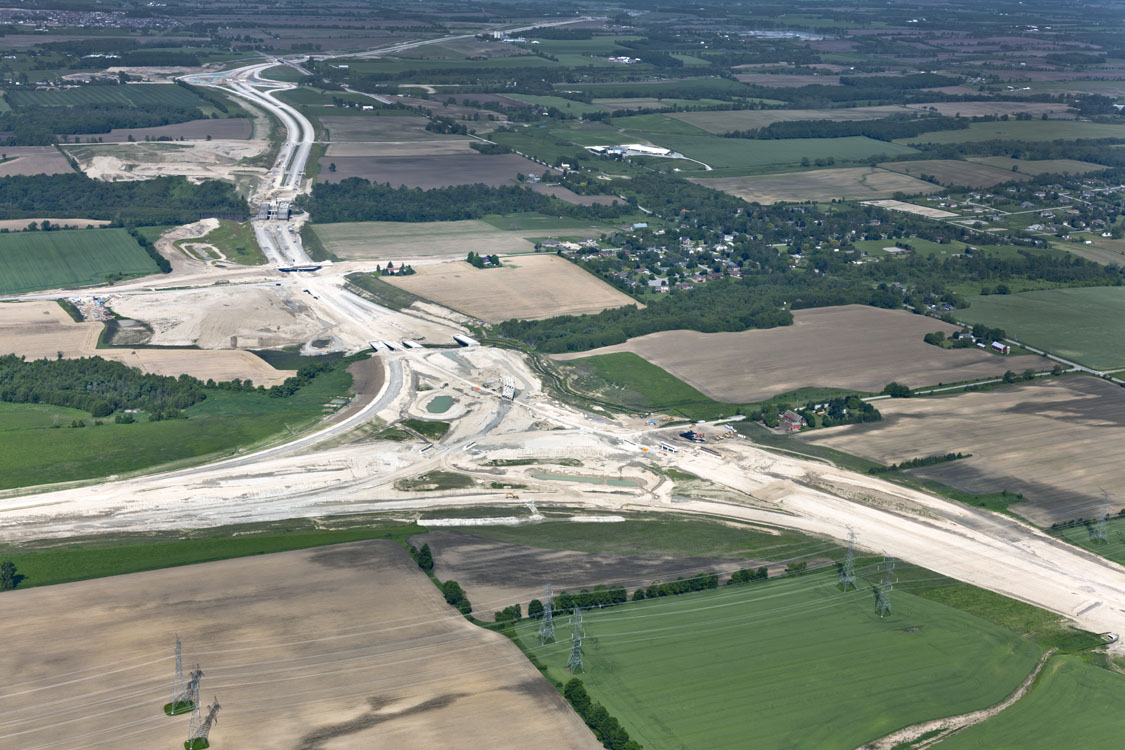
<point x="511" y="495"/>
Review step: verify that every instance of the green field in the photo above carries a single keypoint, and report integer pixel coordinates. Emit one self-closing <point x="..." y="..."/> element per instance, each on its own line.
<point x="1082" y="324"/>
<point x="1114" y="548"/>
<point x="149" y="93"/>
<point x="1073" y="704"/>
<point x="70" y="257"/>
<point x="234" y="240"/>
<point x="569" y="106"/>
<point x="793" y="663"/>
<point x="36" y="453"/>
<point x="1023" y="130"/>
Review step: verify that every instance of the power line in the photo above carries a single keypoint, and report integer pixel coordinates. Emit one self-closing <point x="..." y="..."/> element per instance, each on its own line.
<point x="574" y="663"/>
<point x="847" y="570"/>
<point x="883" y="590"/>
<point x="198" y="736"/>
<point x="547" y="625"/>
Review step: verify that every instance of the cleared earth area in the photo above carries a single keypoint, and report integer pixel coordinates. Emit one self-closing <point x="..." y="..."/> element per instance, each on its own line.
<point x="854" y="347"/>
<point x="1058" y="442"/>
<point x="340" y="647"/>
<point x="743" y="646"/>
<point x="819" y="185"/>
<point x="41" y="329"/>
<point x="393" y="240"/>
<point x="530" y="287"/>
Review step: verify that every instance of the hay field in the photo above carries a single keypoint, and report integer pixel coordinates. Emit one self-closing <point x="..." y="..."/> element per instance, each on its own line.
<point x="819" y="185"/>
<point x="28" y="160"/>
<point x="749" y="119"/>
<point x="1059" y="442"/>
<point x="854" y="347"/>
<point x="429" y="172"/>
<point x="1040" y="166"/>
<point x="956" y="172"/>
<point x="395" y="240"/>
<point x="529" y="287"/>
<point x="42" y="329"/>
<point x="68" y="258"/>
<point x="342" y="647"/>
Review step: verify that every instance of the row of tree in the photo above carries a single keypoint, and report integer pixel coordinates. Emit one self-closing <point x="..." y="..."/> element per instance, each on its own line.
<point x="917" y="463"/>
<point x="885" y="129"/>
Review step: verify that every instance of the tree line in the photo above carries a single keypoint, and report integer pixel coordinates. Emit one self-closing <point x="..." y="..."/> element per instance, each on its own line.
<point x="884" y="129"/>
<point x="916" y="463"/>
<point x="605" y="727"/>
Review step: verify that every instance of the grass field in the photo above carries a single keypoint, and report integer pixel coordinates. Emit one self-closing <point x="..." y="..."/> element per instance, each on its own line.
<point x="1057" y="441"/>
<point x="1073" y="704"/>
<point x="155" y="93"/>
<point x="958" y="173"/>
<point x="1078" y="324"/>
<point x="1113" y="548"/>
<point x="653" y="103"/>
<point x="1022" y="130"/>
<point x="1040" y="166"/>
<point x="853" y="183"/>
<point x="234" y="240"/>
<point x="724" y="121"/>
<point x="69" y="257"/>
<point x="569" y="106"/>
<point x="735" y="655"/>
<point x="36" y="453"/>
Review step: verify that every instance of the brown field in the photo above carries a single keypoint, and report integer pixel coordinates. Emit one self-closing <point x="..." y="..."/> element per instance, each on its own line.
<point x="29" y="160"/>
<point x="431" y="171"/>
<point x="819" y="185"/>
<point x="853" y="347"/>
<point x="18" y="225"/>
<point x="42" y="329"/>
<point x="785" y="80"/>
<point x="337" y="648"/>
<point x="955" y="172"/>
<point x="395" y="240"/>
<point x="228" y="129"/>
<point x="568" y="195"/>
<point x="912" y="208"/>
<point x="980" y="109"/>
<point x="530" y="287"/>
<point x="342" y="128"/>
<point x="398" y="148"/>
<point x="749" y="119"/>
<point x="498" y="574"/>
<point x="1040" y="166"/>
<point x="1059" y="442"/>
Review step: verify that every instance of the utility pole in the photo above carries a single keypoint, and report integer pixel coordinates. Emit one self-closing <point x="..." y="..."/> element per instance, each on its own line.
<point x="883" y="590"/>
<point x="574" y="663"/>
<point x="197" y="739"/>
<point x="1099" y="532"/>
<point x="547" y="624"/>
<point x="847" y="570"/>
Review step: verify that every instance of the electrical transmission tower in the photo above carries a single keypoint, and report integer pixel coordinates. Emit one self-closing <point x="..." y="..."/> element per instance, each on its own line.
<point x="547" y="624"/>
<point x="574" y="664"/>
<point x="197" y="738"/>
<point x="883" y="590"/>
<point x="1099" y="532"/>
<point x="179" y="689"/>
<point x="847" y="570"/>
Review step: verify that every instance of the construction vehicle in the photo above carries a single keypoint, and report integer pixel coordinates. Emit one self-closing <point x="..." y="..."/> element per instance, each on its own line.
<point x="511" y="495"/>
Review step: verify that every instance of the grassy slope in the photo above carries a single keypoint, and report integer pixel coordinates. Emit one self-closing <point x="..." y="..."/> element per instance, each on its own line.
<point x="1071" y="705"/>
<point x="1081" y="324"/>
<point x="739" y="662"/>
<point x="236" y="241"/>
<point x="71" y="257"/>
<point x="38" y="454"/>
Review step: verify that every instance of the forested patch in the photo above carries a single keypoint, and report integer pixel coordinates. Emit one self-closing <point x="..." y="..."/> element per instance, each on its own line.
<point x="163" y="200"/>
<point x="885" y="129"/>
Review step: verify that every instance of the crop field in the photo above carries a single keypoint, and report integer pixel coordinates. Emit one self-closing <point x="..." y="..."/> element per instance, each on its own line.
<point x="748" y="119"/>
<point x="370" y="127"/>
<point x="958" y="173"/>
<point x="353" y="639"/>
<point x="69" y="257"/>
<point x="395" y="148"/>
<point x="1040" y="166"/>
<point x="852" y="183"/>
<point x="617" y="105"/>
<point x="154" y="93"/>
<point x="741" y="152"/>
<point x="499" y="574"/>
<point x="1022" y="130"/>
<point x="734" y="656"/>
<point x="569" y="106"/>
<point x="227" y="129"/>
<point x="1081" y="536"/>
<point x="1068" y="707"/>
<point x="529" y="287"/>
<point x="42" y="329"/>
<point x="981" y="109"/>
<point x="429" y="172"/>
<point x="1083" y="325"/>
<point x="32" y="160"/>
<point x="392" y="240"/>
<point x="851" y="347"/>
<point x="1059" y="442"/>
<point x="786" y="80"/>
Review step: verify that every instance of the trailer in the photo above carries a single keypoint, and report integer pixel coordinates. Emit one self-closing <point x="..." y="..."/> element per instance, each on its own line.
<point x="464" y="340"/>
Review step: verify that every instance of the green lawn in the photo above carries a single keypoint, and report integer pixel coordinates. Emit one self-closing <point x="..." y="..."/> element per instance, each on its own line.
<point x="792" y="663"/>
<point x="1073" y="705"/>
<point x="37" y="453"/>
<point x="69" y="257"/>
<point x="1082" y="324"/>
<point x="1023" y="130"/>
